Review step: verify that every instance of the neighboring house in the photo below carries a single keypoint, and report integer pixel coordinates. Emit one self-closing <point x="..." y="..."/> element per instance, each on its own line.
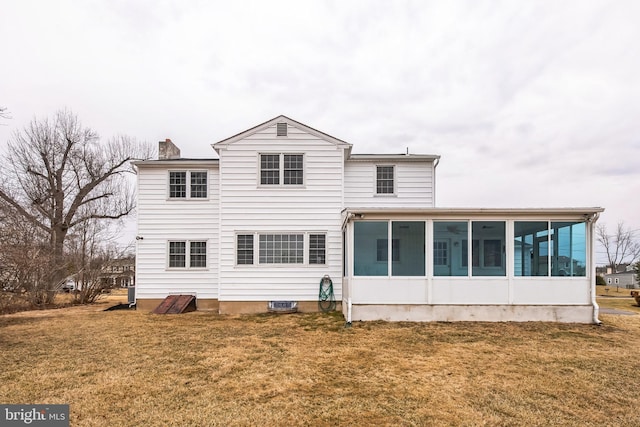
<point x="285" y="205"/>
<point x="119" y="273"/>
<point x="625" y="277"/>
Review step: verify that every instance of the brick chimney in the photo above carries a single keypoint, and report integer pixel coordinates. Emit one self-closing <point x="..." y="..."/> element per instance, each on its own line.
<point x="168" y="150"/>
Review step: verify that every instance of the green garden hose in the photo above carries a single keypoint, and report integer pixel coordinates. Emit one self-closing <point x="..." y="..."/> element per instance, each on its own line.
<point x="326" y="299"/>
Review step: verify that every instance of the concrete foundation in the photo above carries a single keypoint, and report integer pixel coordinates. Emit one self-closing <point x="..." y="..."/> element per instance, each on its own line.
<point x="255" y="307"/>
<point x="471" y="313"/>
<point x="232" y="307"/>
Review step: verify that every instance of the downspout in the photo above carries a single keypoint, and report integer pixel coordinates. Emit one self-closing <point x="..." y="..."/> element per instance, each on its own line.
<point x="345" y="223"/>
<point x="596" y="308"/>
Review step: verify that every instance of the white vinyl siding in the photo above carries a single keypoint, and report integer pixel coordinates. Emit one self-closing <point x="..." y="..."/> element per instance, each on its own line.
<point x="413" y="185"/>
<point x="177" y="220"/>
<point x="279" y="209"/>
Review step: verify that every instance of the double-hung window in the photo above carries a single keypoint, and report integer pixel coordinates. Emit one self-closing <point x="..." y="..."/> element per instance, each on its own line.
<point x="244" y="249"/>
<point x="270" y="169"/>
<point x="187" y="254"/>
<point x="317" y="248"/>
<point x="177" y="184"/>
<point x="281" y="169"/>
<point x="187" y="184"/>
<point x="385" y="182"/>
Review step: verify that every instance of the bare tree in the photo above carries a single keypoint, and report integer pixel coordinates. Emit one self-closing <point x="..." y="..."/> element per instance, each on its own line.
<point x="57" y="176"/>
<point x="26" y="264"/>
<point x="621" y="246"/>
<point x="90" y="253"/>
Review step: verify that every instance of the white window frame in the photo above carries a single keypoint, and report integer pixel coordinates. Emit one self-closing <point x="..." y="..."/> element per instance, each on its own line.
<point x="187" y="255"/>
<point x="281" y="183"/>
<point x="306" y="241"/>
<point x="188" y="195"/>
<point x="375" y="180"/>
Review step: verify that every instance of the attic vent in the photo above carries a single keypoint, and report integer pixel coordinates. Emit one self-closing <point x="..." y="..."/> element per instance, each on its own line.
<point x="281" y="129"/>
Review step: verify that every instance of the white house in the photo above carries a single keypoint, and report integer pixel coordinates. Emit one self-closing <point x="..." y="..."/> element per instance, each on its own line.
<point x="284" y="205"/>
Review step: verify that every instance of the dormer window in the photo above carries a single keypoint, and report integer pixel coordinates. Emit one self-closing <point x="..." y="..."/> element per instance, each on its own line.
<point x="281" y="129"/>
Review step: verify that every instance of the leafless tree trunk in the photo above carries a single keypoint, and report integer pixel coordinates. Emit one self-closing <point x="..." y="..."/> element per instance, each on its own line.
<point x="621" y="246"/>
<point x="57" y="176"/>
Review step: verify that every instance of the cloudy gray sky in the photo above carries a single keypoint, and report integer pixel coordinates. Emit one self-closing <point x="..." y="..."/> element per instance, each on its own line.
<point x="529" y="103"/>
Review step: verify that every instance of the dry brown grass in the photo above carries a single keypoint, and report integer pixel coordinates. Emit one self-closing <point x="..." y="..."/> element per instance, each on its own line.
<point x="199" y="369"/>
<point x="612" y="291"/>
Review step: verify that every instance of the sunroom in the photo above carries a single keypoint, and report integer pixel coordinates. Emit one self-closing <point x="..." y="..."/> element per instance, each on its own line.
<point x="470" y="264"/>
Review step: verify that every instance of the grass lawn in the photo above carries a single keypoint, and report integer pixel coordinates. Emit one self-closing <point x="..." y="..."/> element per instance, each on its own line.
<point x="128" y="368"/>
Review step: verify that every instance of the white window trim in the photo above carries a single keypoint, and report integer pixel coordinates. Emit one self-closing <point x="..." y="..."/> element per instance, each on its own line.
<point x="375" y="180"/>
<point x="187" y="260"/>
<point x="256" y="249"/>
<point x="188" y="172"/>
<point x="281" y="183"/>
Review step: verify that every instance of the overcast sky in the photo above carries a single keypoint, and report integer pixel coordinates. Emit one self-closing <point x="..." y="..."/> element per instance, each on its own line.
<point x="529" y="103"/>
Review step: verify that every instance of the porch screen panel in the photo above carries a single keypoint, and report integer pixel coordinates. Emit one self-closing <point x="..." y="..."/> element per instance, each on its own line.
<point x="409" y="236"/>
<point x="531" y="248"/>
<point x="568" y="249"/>
<point x="369" y="238"/>
<point x="449" y="248"/>
<point x="490" y="249"/>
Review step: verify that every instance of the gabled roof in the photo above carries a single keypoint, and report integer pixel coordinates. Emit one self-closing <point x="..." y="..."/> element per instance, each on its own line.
<point x="281" y="119"/>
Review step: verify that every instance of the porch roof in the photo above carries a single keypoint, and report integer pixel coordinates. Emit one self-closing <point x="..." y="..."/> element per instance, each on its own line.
<point x="587" y="212"/>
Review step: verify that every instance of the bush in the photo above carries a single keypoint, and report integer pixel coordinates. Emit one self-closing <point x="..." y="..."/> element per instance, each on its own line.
<point x="600" y="280"/>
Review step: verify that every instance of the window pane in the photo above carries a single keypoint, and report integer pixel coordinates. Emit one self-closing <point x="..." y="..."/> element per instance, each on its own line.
<point x="530" y="250"/>
<point x="177" y="184"/>
<point x="366" y="249"/>
<point x="489" y="251"/>
<point x="244" y="249"/>
<point x="384" y="179"/>
<point x="408" y="254"/>
<point x="449" y="248"/>
<point x="198" y="184"/>
<point x="270" y="169"/>
<point x="281" y="248"/>
<point x="177" y="254"/>
<point x="198" y="254"/>
<point x="293" y="169"/>
<point x="317" y="248"/>
<point x="568" y="249"/>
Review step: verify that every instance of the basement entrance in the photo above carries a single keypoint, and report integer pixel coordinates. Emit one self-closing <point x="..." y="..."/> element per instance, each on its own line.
<point x="176" y="304"/>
